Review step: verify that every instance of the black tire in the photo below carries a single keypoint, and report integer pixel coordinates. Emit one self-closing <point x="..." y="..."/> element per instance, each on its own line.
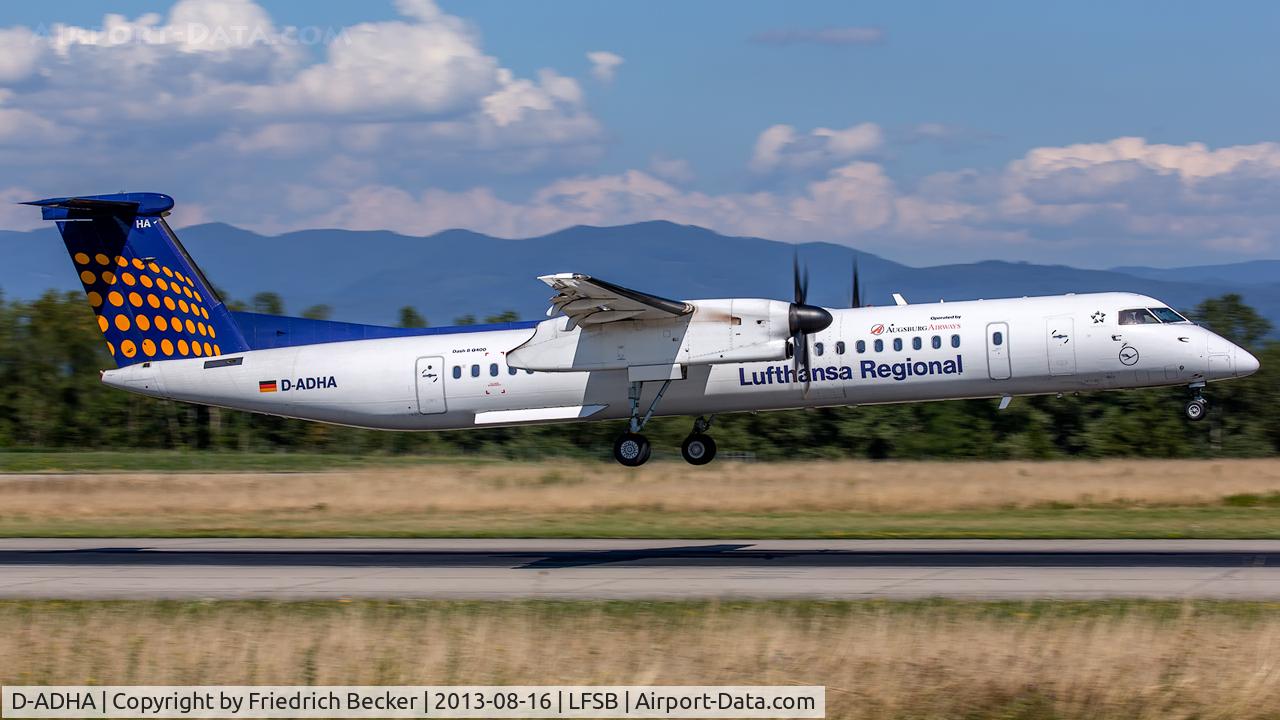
<point x="698" y="449"/>
<point x="631" y="449"/>
<point x="1195" y="410"/>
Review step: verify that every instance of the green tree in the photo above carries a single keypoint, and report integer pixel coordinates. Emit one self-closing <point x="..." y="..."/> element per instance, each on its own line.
<point x="503" y="317"/>
<point x="411" y="318"/>
<point x="318" y="312"/>
<point x="268" y="303"/>
<point x="465" y="320"/>
<point x="1231" y="318"/>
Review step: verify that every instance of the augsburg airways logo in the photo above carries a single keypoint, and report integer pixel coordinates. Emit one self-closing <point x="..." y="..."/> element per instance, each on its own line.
<point x="891" y="329"/>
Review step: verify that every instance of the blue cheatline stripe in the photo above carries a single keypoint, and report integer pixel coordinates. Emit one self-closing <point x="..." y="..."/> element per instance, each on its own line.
<point x="263" y="332"/>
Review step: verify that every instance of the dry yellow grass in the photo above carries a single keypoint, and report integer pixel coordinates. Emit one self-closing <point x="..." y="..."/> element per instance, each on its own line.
<point x="877" y="660"/>
<point x="565" y="486"/>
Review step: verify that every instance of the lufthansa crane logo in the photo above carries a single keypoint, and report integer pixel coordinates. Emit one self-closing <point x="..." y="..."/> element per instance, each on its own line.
<point x="1128" y="355"/>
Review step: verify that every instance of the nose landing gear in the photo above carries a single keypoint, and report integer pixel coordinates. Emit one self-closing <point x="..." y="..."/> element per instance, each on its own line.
<point x="1197" y="406"/>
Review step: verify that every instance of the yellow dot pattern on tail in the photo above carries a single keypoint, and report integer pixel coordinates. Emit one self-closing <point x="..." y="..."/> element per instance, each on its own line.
<point x="150" y="300"/>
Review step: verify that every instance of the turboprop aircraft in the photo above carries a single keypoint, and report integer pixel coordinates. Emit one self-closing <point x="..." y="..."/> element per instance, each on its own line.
<point x="605" y="352"/>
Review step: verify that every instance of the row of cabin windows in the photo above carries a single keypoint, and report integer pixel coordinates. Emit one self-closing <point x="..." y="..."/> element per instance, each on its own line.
<point x="494" y="371"/>
<point x="860" y="347"/>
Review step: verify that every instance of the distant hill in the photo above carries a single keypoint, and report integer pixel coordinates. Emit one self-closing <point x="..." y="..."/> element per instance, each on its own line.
<point x="367" y="276"/>
<point x="1253" y="272"/>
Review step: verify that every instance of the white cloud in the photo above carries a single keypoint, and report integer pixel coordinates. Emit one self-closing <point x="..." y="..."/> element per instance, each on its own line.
<point x="13" y="215"/>
<point x="1011" y="212"/>
<point x="781" y="148"/>
<point x="676" y="170"/>
<point x="22" y="52"/>
<point x="409" y="124"/>
<point x="604" y="64"/>
<point x="213" y="92"/>
<point x="389" y="69"/>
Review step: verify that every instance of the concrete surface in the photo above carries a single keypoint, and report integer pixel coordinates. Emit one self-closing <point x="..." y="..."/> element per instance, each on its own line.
<point x="614" y="569"/>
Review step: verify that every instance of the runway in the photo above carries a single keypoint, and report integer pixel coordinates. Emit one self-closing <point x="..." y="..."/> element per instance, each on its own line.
<point x="637" y="569"/>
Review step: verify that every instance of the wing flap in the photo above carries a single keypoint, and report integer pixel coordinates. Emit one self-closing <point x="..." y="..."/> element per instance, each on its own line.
<point x="591" y="301"/>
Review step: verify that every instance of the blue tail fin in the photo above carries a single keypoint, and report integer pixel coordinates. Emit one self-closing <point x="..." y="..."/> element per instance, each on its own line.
<point x="151" y="301"/>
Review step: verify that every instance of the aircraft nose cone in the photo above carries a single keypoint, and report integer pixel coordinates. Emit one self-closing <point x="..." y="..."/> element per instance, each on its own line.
<point x="1246" y="363"/>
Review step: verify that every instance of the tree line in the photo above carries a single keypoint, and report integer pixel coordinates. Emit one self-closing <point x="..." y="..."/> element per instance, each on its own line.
<point x="51" y="352"/>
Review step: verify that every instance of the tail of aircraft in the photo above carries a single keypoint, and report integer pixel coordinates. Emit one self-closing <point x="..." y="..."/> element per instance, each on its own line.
<point x="151" y="300"/>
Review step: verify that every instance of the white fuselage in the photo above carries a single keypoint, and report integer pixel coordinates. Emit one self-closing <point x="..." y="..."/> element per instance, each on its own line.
<point x="934" y="351"/>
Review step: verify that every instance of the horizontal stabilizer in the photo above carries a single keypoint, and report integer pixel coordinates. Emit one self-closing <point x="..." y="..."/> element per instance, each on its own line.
<point x="118" y="204"/>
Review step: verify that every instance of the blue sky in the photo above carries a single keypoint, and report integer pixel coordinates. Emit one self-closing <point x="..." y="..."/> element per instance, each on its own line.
<point x="1087" y="133"/>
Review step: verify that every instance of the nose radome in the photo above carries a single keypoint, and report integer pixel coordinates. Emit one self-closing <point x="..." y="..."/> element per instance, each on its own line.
<point x="1246" y="363"/>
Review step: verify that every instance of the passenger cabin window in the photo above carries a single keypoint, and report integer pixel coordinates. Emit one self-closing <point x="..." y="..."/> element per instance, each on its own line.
<point x="475" y="371"/>
<point x="1138" y="316"/>
<point x="937" y="342"/>
<point x="897" y="344"/>
<point x="860" y="346"/>
<point x="997" y="338"/>
<point x="955" y="341"/>
<point x="511" y="371"/>
<point x="879" y="345"/>
<point x="916" y="344"/>
<point x="493" y="369"/>
<point x="839" y="347"/>
<point x="457" y="371"/>
<point x="818" y="349"/>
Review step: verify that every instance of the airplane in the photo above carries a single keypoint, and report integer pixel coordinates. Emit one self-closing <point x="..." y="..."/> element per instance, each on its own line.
<point x="606" y="352"/>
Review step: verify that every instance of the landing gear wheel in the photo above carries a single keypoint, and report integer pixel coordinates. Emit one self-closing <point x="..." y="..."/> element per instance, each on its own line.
<point x="698" y="449"/>
<point x="1195" y="409"/>
<point x="631" y="449"/>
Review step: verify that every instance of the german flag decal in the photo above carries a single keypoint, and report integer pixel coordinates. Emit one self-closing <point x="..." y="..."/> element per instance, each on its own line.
<point x="266" y="386"/>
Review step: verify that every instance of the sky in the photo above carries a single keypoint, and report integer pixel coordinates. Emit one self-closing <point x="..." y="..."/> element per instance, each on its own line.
<point x="1092" y="134"/>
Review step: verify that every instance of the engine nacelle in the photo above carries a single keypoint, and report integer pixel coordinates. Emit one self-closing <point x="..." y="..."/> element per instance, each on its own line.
<point x="717" y="331"/>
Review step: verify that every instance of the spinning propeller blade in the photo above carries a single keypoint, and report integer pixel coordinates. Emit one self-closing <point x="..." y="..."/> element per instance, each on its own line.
<point x="805" y="320"/>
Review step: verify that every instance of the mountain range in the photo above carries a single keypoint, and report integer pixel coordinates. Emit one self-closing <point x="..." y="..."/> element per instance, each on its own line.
<point x="366" y="276"/>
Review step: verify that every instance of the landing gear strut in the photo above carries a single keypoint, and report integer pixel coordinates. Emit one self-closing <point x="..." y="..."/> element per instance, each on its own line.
<point x="631" y="448"/>
<point x="699" y="448"/>
<point x="1197" y="406"/>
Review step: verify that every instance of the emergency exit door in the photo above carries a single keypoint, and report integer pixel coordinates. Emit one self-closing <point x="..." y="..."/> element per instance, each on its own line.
<point x="430" y="385"/>
<point x="998" y="366"/>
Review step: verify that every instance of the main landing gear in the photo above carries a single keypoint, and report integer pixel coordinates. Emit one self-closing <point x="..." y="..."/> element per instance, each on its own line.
<point x="1197" y="406"/>
<point x="633" y="449"/>
<point x="699" y="448"/>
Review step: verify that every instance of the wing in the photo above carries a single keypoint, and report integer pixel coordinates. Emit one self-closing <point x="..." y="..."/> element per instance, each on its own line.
<point x="591" y="301"/>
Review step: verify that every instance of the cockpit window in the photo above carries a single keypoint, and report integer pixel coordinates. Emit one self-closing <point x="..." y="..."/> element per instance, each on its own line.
<point x="1168" y="315"/>
<point x="1138" y="316"/>
<point x="1152" y="316"/>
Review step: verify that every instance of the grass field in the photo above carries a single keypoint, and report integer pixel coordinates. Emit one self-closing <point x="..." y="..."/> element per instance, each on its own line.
<point x="877" y="659"/>
<point x="1114" y="498"/>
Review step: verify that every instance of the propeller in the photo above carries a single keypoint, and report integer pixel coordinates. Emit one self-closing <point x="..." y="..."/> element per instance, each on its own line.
<point x="803" y="320"/>
<point x="855" y="300"/>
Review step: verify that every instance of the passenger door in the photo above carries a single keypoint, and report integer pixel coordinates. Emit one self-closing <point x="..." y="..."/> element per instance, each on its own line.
<point x="1060" y="336"/>
<point x="430" y="381"/>
<point x="998" y="365"/>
